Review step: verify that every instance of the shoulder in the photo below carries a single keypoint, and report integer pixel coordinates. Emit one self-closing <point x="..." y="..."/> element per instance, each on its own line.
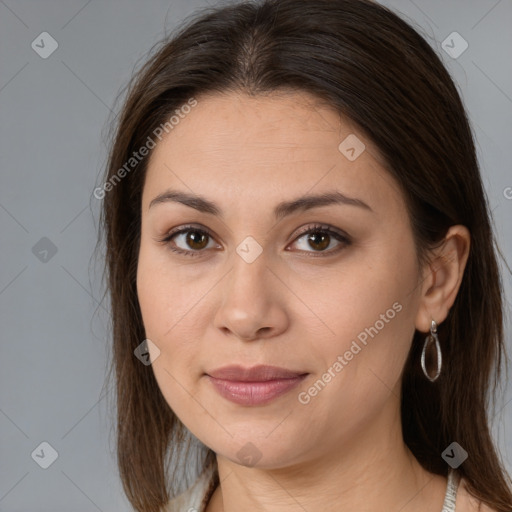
<point x="468" y="503"/>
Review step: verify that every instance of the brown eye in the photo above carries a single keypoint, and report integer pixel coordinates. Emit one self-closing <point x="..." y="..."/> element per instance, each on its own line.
<point x="319" y="241"/>
<point x="319" y="238"/>
<point x="192" y="241"/>
<point x="188" y="240"/>
<point x="196" y="239"/>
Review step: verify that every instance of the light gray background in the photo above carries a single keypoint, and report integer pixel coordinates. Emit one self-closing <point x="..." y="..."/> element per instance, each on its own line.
<point x="53" y="115"/>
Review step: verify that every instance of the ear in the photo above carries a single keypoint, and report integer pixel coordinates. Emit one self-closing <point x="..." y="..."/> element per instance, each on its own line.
<point x="442" y="277"/>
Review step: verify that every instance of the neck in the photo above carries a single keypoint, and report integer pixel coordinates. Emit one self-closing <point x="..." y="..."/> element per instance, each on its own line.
<point x="374" y="470"/>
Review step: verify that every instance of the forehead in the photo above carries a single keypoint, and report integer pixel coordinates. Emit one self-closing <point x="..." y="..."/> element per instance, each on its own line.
<point x="265" y="147"/>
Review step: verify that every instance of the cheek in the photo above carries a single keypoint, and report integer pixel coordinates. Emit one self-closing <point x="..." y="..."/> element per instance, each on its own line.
<point x="171" y="308"/>
<point x="367" y="314"/>
<point x="167" y="294"/>
<point x="358" y="368"/>
<point x="162" y="301"/>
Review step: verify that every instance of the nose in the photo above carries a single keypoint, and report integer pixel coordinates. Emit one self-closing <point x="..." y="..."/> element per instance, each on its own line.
<point x="253" y="301"/>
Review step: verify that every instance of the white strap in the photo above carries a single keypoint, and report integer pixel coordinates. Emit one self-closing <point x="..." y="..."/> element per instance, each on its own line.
<point x="451" y="491"/>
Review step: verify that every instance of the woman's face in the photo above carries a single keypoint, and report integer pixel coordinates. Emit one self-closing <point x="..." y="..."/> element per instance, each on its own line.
<point x="336" y="308"/>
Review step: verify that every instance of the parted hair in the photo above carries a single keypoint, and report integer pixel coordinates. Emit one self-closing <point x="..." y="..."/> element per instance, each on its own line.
<point x="374" y="68"/>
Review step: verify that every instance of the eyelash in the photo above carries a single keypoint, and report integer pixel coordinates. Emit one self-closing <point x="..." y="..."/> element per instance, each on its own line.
<point x="317" y="228"/>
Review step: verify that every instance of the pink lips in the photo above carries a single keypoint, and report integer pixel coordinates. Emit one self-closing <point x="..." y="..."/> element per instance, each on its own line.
<point x="254" y="386"/>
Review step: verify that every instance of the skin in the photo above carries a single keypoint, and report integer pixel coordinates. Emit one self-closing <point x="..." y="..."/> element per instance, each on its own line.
<point x="294" y="306"/>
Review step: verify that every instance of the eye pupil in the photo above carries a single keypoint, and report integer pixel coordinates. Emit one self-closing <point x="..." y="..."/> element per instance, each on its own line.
<point x="196" y="239"/>
<point x="324" y="240"/>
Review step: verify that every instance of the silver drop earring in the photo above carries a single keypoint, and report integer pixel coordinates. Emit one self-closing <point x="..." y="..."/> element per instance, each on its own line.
<point x="432" y="338"/>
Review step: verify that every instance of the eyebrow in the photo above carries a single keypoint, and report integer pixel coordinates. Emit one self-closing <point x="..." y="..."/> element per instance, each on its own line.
<point x="282" y="210"/>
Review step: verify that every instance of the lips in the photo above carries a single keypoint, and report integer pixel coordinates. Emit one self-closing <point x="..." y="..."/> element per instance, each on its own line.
<point x="260" y="373"/>
<point x="258" y="385"/>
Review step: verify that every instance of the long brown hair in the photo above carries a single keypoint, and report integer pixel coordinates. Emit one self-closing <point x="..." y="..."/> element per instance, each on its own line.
<point x="374" y="68"/>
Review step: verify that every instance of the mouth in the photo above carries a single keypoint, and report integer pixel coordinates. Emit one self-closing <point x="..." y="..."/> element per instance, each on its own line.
<point x="258" y="385"/>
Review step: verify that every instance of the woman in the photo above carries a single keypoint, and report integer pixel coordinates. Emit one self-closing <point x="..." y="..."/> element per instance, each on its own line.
<point x="306" y="301"/>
